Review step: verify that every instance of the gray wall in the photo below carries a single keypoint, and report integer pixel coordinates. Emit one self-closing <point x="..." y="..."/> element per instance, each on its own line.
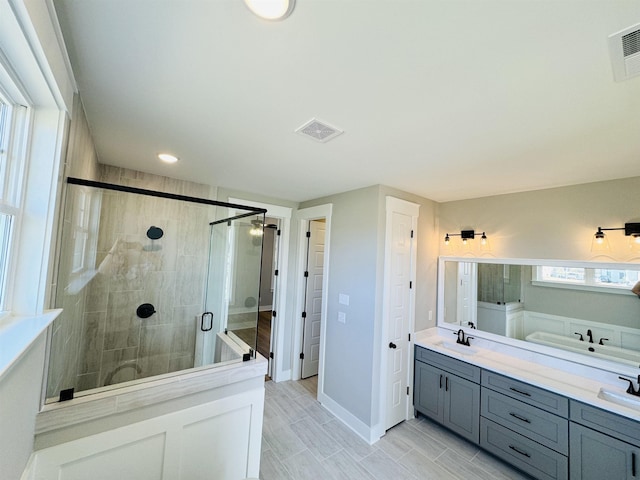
<point x="554" y="223"/>
<point x="356" y="268"/>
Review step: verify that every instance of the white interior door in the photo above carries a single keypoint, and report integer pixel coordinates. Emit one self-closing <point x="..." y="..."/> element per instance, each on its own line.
<point x="399" y="297"/>
<point x="313" y="303"/>
<point x="467" y="293"/>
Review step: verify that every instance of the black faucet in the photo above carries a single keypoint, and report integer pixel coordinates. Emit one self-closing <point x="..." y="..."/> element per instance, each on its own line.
<point x="601" y="340"/>
<point x="630" y="389"/>
<point x="581" y="337"/>
<point x="462" y="340"/>
<point x="590" y="335"/>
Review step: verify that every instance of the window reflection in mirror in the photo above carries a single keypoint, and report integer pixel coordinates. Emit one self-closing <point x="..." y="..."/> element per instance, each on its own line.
<point x="547" y="303"/>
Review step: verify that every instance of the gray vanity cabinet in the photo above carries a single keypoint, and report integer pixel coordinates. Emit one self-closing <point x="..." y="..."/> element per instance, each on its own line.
<point x="447" y="391"/>
<point x="525" y="425"/>
<point x="603" y="445"/>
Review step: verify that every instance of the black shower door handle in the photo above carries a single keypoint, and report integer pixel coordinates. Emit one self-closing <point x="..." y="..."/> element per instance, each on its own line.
<point x="208" y="315"/>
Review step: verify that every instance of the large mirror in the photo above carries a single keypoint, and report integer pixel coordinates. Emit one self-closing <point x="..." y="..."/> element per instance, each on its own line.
<point x="584" y="308"/>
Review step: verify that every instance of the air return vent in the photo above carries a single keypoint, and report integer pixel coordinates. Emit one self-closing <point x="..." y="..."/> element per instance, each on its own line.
<point x="319" y="131"/>
<point x="624" y="47"/>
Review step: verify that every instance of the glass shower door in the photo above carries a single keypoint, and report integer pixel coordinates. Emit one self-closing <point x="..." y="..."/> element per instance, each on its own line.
<point x="227" y="329"/>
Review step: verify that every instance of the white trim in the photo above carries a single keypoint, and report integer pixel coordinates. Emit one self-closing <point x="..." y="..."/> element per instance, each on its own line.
<point x="396" y="205"/>
<point x="279" y="373"/>
<point x="17" y="334"/>
<point x="348" y="418"/>
<point x="303" y="216"/>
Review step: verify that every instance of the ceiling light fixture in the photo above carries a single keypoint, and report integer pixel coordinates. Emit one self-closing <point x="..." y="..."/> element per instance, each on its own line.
<point x="271" y="9"/>
<point x="167" y="158"/>
<point x="257" y="228"/>
<point x="600" y="243"/>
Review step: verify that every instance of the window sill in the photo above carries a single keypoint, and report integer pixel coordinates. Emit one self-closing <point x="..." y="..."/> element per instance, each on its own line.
<point x="578" y="286"/>
<point x="80" y="281"/>
<point x="18" y="333"/>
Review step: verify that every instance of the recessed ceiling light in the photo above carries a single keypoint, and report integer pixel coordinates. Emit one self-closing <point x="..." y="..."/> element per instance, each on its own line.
<point x="167" y="158"/>
<point x="271" y="9"/>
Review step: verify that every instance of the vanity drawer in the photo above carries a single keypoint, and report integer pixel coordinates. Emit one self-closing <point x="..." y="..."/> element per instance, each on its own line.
<point x="532" y="422"/>
<point x="606" y="422"/>
<point x="535" y="396"/>
<point x="531" y="457"/>
<point x="449" y="364"/>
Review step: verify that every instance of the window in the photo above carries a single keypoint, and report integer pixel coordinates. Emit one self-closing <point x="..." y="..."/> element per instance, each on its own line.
<point x="606" y="279"/>
<point x="13" y="128"/>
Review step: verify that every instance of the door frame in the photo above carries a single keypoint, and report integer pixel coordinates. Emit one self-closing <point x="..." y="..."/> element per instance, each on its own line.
<point x="280" y="304"/>
<point x="396" y="205"/>
<point x="303" y="216"/>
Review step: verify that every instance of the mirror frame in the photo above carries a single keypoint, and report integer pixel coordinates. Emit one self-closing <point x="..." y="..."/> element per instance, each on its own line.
<point x="521" y="344"/>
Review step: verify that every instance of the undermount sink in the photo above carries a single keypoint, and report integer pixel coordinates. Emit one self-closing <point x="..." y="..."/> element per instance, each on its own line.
<point x="620" y="398"/>
<point x="456" y="347"/>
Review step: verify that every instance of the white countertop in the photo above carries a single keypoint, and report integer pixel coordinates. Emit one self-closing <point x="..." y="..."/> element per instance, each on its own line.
<point x="569" y="379"/>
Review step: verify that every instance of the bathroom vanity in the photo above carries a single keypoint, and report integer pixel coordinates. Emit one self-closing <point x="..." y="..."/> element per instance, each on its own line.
<point x="548" y="423"/>
<point x="538" y="385"/>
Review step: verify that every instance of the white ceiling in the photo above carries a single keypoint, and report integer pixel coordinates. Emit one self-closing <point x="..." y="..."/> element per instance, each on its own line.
<point x="447" y="99"/>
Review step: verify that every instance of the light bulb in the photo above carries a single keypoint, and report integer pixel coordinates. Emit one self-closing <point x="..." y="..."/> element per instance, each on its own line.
<point x="447" y="239"/>
<point x="464" y="241"/>
<point x="483" y="239"/>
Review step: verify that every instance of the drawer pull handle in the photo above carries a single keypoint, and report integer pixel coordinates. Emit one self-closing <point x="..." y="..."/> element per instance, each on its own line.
<point x="440" y="380"/>
<point x="520" y="392"/>
<point x="633" y="464"/>
<point x="446" y="384"/>
<point x="519" y="417"/>
<point x="517" y="450"/>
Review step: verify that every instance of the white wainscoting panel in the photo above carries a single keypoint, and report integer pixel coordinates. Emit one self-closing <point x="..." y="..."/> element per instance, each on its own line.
<point x="218" y="440"/>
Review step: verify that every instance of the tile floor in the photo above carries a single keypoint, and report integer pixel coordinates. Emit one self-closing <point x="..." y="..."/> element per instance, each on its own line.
<point x="301" y="440"/>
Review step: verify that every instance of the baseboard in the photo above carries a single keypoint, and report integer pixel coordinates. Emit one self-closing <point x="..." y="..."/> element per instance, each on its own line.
<point x="355" y="424"/>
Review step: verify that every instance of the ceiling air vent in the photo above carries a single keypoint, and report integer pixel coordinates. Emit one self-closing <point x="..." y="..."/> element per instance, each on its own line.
<point x="624" y="47"/>
<point x="319" y="131"/>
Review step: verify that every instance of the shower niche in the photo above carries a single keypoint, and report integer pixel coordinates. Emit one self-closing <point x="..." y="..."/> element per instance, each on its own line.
<point x="151" y="284"/>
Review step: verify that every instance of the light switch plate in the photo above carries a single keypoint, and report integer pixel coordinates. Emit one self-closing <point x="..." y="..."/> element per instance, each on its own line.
<point x="342" y="317"/>
<point x="343" y="299"/>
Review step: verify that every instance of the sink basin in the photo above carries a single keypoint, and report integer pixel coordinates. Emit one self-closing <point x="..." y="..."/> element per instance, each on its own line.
<point x="456" y="347"/>
<point x="620" y="398"/>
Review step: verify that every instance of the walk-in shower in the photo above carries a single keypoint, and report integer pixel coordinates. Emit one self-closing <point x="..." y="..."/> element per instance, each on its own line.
<point x="151" y="284"/>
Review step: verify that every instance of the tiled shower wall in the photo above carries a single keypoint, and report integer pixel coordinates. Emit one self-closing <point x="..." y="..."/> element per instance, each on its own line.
<point x="109" y="343"/>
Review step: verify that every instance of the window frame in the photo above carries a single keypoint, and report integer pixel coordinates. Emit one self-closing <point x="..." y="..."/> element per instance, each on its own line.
<point x="588" y="283"/>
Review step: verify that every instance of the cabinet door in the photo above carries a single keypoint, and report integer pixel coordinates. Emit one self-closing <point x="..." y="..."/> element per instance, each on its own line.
<point x="429" y="390"/>
<point x="462" y="407"/>
<point x="595" y="456"/>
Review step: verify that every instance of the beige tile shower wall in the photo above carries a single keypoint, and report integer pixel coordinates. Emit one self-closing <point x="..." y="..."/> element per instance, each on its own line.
<point x="80" y="161"/>
<point x="168" y="273"/>
<point x="99" y="336"/>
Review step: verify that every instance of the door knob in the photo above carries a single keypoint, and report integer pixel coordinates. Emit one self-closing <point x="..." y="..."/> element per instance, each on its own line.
<point x="392" y="345"/>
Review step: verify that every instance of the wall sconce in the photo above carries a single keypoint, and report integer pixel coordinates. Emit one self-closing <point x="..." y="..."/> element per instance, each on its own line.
<point x="600" y="243"/>
<point x="466" y="235"/>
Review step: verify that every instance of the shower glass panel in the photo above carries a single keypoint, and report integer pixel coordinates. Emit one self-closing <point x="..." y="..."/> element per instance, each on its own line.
<point x="151" y="284"/>
<point x="499" y="284"/>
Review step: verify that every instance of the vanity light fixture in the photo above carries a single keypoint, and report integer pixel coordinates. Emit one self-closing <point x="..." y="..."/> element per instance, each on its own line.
<point x="271" y="9"/>
<point x="466" y="235"/>
<point x="631" y="230"/>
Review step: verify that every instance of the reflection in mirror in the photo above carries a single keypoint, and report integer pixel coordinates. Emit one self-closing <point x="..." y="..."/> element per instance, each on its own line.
<point x="585" y="308"/>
